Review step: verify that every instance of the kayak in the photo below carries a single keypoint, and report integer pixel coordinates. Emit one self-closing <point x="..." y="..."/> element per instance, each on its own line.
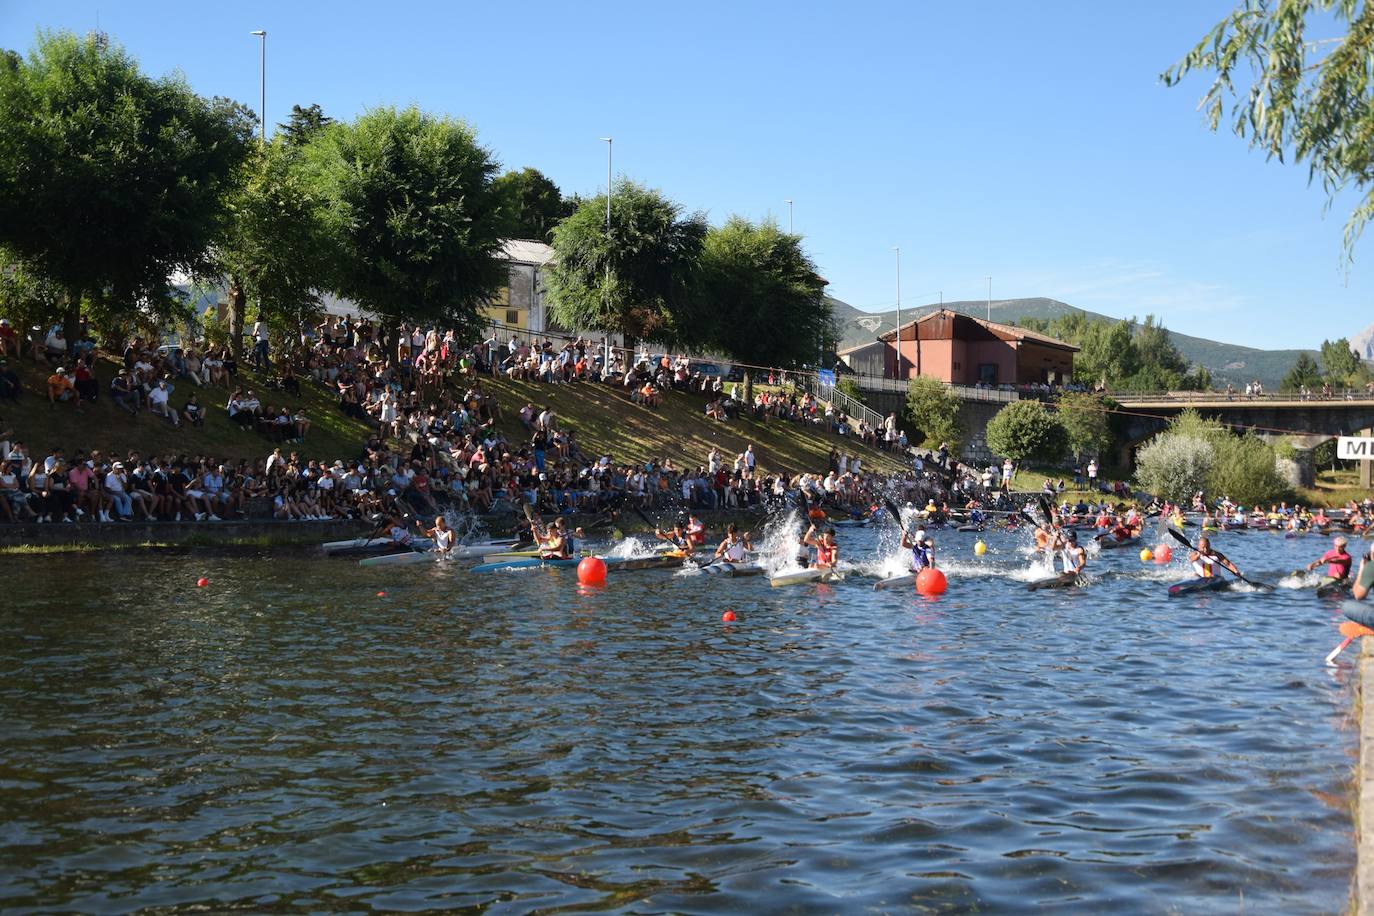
<point x="733" y="569"/>
<point x="1335" y="588"/>
<point x="1063" y="580"/>
<point x="522" y="563"/>
<point x="895" y="582"/>
<point x="850" y="523"/>
<point x="1202" y="584"/>
<point x="969" y="528"/>
<point x="661" y="561"/>
<point x="1111" y="543"/>
<point x="374" y="546"/>
<point x="810" y="574"/>
<point x="404" y="558"/>
<point x="507" y="554"/>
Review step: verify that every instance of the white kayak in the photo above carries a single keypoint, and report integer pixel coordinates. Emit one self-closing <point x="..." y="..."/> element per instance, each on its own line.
<point x="425" y="555"/>
<point x="810" y="574"/>
<point x="354" y="544"/>
<point x="895" y="582"/>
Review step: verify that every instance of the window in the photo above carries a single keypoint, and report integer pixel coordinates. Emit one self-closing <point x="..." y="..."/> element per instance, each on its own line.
<point x="987" y="372"/>
<point x="512" y="316"/>
<point x="956" y="366"/>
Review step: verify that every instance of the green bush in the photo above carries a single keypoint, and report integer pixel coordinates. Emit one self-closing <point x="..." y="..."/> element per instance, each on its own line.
<point x="1026" y="431"/>
<point x="934" y="410"/>
<point x="1199" y="454"/>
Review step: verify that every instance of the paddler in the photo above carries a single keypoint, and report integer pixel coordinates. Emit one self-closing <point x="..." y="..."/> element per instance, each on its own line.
<point x="1043" y="537"/>
<point x="442" y="535"/>
<point x="1338" y="561"/>
<point x="922" y="550"/>
<point x="696" y="530"/>
<point x="1073" y="557"/>
<point x="553" y="541"/>
<point x="1205" y="560"/>
<point x="827" y="548"/>
<point x="733" y="548"/>
<point x="677" y="537"/>
<point x="396" y="530"/>
<point x="1364" y="578"/>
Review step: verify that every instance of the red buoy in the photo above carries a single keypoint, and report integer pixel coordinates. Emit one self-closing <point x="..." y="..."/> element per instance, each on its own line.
<point x="381" y="594"/>
<point x="202" y="582"/>
<point x="728" y="617"/>
<point x="931" y="581"/>
<point x="591" y="571"/>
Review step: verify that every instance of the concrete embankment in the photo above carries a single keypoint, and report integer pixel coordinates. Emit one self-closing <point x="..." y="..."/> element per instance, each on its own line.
<point x="191" y="534"/>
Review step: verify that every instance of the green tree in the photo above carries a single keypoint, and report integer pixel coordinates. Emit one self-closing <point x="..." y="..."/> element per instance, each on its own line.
<point x="530" y="204"/>
<point x="278" y="250"/>
<point x="640" y="280"/>
<point x="1026" y="431"/>
<point x="303" y="124"/>
<point x="935" y="412"/>
<point x="1174" y="467"/>
<point x="110" y="181"/>
<point x="1305" y="371"/>
<point x="27" y="298"/>
<point x="1245" y="470"/>
<point x="1197" y="454"/>
<point x="760" y="299"/>
<point x="1309" y="98"/>
<point x="1342" y="364"/>
<point x="409" y="200"/>
<point x="1085" y="419"/>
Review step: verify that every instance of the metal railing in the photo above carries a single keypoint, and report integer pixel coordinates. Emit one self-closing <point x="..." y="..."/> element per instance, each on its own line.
<point x="967" y="392"/>
<point x="1345" y="395"/>
<point x="854" y="409"/>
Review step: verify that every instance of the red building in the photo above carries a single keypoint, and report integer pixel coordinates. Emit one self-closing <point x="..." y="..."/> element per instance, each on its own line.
<point x="964" y="350"/>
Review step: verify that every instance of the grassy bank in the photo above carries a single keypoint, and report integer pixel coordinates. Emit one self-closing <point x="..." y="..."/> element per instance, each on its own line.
<point x="605" y="420"/>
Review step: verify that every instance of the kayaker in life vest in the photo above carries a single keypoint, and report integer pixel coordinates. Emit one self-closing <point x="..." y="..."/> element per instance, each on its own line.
<point x="1073" y="557"/>
<point x="553" y="541"/>
<point x="827" y="549"/>
<point x="442" y="535"/>
<point x="1205" y="560"/>
<point x="735" y="545"/>
<point x="696" y="530"/>
<point x="677" y="537"/>
<point x="1338" y="561"/>
<point x="922" y="556"/>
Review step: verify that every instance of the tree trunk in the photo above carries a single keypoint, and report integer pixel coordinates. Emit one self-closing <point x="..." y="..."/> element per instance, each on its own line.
<point x="71" y="320"/>
<point x="238" y="303"/>
<point x="748" y="390"/>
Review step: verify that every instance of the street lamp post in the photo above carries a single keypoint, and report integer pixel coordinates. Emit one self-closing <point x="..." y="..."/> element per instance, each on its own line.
<point x="989" y="298"/>
<point x="262" y="81"/>
<point x="899" y="311"/>
<point x="610" y="146"/>
<point x="788" y="201"/>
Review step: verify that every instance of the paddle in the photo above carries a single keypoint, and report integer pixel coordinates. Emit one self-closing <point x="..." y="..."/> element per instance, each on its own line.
<point x="1226" y="564"/>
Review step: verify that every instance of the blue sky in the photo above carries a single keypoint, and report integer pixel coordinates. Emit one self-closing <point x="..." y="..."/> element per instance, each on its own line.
<point x="1029" y="142"/>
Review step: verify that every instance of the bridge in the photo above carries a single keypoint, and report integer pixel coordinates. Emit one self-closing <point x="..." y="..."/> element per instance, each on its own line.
<point x="1306" y="422"/>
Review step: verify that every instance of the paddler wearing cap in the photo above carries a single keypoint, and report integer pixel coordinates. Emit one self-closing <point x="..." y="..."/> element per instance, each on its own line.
<point x="1073" y="558"/>
<point x="922" y="549"/>
<point x="1338" y="561"/>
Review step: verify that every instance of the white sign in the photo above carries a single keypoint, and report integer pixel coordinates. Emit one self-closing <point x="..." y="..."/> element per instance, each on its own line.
<point x="1352" y="448"/>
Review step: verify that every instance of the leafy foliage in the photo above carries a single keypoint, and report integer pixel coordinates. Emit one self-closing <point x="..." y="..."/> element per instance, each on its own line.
<point x="110" y="181"/>
<point x="1084" y="416"/>
<point x="935" y="412"/>
<point x="303" y="124"/>
<point x="1026" y="431"/>
<point x="1123" y="355"/>
<point x="641" y="279"/>
<point x="530" y="204"/>
<point x="1341" y="362"/>
<point x="760" y="299"/>
<point x="1305" y="371"/>
<point x="1311" y="98"/>
<point x="409" y="199"/>
<point x="1200" y="454"/>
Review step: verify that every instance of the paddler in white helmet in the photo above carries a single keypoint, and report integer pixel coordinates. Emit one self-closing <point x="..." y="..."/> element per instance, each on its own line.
<point x="921" y="555"/>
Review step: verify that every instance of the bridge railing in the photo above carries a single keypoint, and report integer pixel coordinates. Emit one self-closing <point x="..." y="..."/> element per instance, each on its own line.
<point x="967" y="392"/>
<point x="1240" y="397"/>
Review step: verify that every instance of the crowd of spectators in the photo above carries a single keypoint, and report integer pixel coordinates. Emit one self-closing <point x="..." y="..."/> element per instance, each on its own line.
<point x="436" y="442"/>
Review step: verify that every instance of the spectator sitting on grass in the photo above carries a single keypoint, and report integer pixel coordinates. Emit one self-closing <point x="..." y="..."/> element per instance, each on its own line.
<point x="9" y="382"/>
<point x="55" y="346"/>
<point x="158" y="403"/>
<point x="125" y="394"/>
<point x="194" y="413"/>
<point x="60" y="388"/>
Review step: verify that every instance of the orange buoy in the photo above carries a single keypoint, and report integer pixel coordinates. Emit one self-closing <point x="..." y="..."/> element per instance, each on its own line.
<point x="728" y="617"/>
<point x="591" y="571"/>
<point x="931" y="581"/>
<point x="1164" y="553"/>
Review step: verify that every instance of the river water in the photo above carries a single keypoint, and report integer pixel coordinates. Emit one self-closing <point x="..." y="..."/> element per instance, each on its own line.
<point x="287" y="739"/>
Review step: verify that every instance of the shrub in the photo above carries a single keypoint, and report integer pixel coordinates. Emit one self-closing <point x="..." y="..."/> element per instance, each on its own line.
<point x="934" y="410"/>
<point x="1175" y="466"/>
<point x="1026" y="431"/>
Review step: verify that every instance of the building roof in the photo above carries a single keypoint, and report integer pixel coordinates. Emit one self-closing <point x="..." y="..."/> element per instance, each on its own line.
<point x="857" y="347"/>
<point x="1004" y="331"/>
<point x="527" y="251"/>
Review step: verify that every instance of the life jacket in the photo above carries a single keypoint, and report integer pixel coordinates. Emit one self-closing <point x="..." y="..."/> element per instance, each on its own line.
<point x="825" y="554"/>
<point x="920" y="557"/>
<point x="734" y="552"/>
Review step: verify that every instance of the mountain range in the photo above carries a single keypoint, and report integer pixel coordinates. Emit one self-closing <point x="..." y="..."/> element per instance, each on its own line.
<point x="1227" y="362"/>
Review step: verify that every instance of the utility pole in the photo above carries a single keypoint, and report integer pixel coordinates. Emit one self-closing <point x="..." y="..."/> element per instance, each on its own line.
<point x="262" y="81"/>
<point x="899" y="311"/>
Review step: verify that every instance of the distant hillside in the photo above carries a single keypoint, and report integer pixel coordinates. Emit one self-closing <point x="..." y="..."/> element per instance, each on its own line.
<point x="1226" y="362"/>
<point x="1363" y="343"/>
